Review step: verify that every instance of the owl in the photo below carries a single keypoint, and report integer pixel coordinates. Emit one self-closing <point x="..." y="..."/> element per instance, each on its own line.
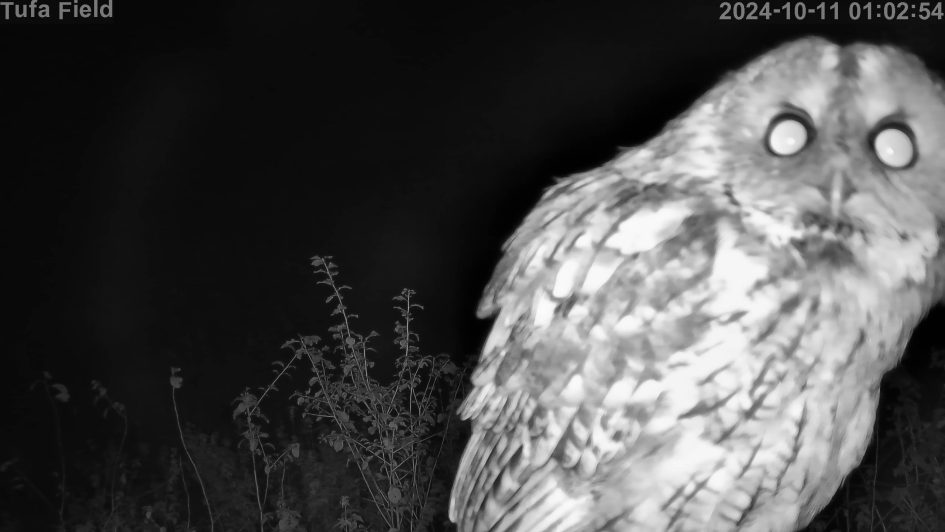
<point x="691" y="337"/>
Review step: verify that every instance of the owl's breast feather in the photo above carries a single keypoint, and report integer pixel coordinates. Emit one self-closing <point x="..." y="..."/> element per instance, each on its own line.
<point x="642" y="324"/>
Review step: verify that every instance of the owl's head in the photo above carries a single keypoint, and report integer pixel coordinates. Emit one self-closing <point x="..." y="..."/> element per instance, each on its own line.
<point x="822" y="135"/>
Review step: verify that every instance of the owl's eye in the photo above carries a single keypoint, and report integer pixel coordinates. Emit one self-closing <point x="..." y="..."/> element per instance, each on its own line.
<point x="788" y="134"/>
<point x="894" y="145"/>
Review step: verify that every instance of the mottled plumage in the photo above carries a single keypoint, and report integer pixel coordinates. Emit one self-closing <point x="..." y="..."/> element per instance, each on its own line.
<point x="692" y="336"/>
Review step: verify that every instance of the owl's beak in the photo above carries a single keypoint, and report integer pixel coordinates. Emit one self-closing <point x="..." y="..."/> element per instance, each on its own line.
<point x="839" y="192"/>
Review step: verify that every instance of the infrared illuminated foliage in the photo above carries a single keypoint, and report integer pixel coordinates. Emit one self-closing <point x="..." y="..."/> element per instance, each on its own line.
<point x="394" y="431"/>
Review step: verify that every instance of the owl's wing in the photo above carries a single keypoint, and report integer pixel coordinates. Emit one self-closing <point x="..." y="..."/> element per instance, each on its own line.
<point x="604" y="280"/>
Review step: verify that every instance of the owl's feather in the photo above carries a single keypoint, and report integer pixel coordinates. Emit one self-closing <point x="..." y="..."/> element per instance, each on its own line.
<point x="674" y="350"/>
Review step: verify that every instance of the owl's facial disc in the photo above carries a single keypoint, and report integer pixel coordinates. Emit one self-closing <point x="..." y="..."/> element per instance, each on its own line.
<point x="843" y="135"/>
<point x="890" y="143"/>
<point x="827" y="140"/>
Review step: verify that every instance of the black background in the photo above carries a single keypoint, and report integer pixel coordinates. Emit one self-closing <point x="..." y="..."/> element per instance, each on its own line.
<point x="166" y="174"/>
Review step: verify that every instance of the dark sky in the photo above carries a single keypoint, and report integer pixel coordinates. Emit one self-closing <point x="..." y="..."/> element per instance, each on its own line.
<point x="168" y="172"/>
